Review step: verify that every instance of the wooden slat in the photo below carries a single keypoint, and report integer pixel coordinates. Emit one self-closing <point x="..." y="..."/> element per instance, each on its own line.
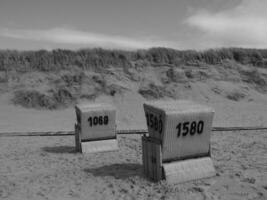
<point x="149" y="160"/>
<point x="154" y="162"/>
<point x="77" y="138"/>
<point x="158" y="164"/>
<point x="144" y="156"/>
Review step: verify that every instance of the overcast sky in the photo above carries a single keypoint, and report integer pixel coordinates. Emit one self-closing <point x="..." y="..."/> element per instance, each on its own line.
<point x="132" y="24"/>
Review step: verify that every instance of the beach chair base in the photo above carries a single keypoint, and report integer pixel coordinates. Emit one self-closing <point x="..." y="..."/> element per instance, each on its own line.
<point x="94" y="146"/>
<point x="188" y="170"/>
<point x="99" y="146"/>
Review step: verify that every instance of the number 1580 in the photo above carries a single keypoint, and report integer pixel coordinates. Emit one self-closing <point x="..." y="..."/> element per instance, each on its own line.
<point x="190" y="127"/>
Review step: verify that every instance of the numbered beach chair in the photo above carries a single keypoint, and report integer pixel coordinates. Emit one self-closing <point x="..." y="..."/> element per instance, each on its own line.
<point x="95" y="130"/>
<point x="177" y="147"/>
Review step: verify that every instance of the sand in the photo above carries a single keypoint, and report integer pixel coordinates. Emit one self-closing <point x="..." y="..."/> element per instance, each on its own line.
<point x="130" y="114"/>
<point x="48" y="168"/>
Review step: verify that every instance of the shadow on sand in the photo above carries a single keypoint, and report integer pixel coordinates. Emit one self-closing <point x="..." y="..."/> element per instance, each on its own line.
<point x="60" y="149"/>
<point x="119" y="171"/>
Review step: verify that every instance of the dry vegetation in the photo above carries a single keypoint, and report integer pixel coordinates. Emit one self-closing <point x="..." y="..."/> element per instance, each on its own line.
<point x="58" y="78"/>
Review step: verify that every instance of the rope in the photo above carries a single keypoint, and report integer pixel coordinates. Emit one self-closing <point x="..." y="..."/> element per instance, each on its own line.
<point x="140" y="131"/>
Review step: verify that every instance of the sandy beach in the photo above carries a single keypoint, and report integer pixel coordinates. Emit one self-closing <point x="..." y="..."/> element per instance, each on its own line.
<point x="48" y="168"/>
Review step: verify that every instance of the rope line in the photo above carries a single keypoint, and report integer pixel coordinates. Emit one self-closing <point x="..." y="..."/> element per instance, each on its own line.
<point x="137" y="131"/>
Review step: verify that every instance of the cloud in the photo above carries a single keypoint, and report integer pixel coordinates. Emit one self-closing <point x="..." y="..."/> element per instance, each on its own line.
<point x="244" y="25"/>
<point x="76" y="37"/>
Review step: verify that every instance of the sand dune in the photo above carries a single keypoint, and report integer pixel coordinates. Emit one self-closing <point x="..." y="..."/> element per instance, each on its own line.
<point x="237" y="92"/>
<point x="130" y="114"/>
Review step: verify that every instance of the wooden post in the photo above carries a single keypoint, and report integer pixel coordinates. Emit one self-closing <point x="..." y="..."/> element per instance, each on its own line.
<point x="77" y="138"/>
<point x="152" y="158"/>
<point x="144" y="155"/>
<point x="158" y="164"/>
